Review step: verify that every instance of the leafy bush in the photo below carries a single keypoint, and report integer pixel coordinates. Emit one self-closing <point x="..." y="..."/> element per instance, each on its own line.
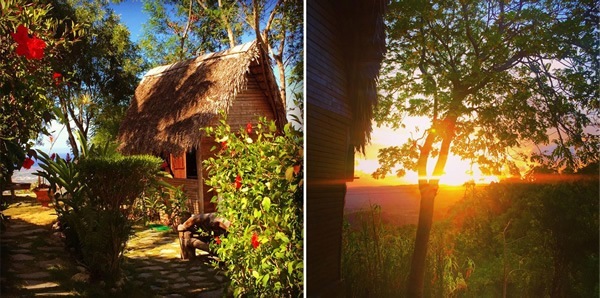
<point x="114" y="182"/>
<point x="257" y="175"/>
<point x="93" y="198"/>
<point x="162" y="202"/>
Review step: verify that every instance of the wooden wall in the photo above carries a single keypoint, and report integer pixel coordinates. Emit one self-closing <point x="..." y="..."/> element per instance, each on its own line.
<point x="249" y="105"/>
<point x="328" y="119"/>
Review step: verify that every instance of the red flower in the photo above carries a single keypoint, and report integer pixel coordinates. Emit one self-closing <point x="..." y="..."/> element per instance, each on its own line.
<point x="57" y="78"/>
<point x="217" y="240"/>
<point x="27" y="163"/>
<point x="249" y="128"/>
<point x="164" y="165"/>
<point x="255" y="242"/>
<point x="30" y="47"/>
<point x="296" y="169"/>
<point x="224" y="145"/>
<point x="238" y="182"/>
<point x="53" y="156"/>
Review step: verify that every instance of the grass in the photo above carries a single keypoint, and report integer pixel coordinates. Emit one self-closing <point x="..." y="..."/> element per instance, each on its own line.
<point x="375" y="256"/>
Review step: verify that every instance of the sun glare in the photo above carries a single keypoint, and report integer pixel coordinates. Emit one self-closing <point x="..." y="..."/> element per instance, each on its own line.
<point x="457" y="171"/>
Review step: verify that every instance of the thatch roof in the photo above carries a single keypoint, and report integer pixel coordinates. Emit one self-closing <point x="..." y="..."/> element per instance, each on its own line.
<point x="173" y="102"/>
<point x="365" y="44"/>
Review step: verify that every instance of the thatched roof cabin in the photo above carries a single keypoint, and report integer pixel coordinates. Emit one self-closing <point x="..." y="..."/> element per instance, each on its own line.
<point x="173" y="102"/>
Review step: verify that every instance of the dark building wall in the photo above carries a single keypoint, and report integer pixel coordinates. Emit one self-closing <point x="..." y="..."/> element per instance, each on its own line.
<point x="328" y="121"/>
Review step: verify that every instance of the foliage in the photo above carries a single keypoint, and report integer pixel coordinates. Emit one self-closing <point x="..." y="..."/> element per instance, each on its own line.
<point x="492" y="77"/>
<point x="93" y="198"/>
<point x="3" y="218"/>
<point x="373" y="254"/>
<point x="537" y="238"/>
<point x="519" y="238"/>
<point x="258" y="177"/>
<point x="487" y="76"/>
<point x="26" y="78"/>
<point x="282" y="31"/>
<point x="376" y="258"/>
<point x="182" y="30"/>
<point x="98" y="75"/>
<point x="163" y="202"/>
<point x="115" y="182"/>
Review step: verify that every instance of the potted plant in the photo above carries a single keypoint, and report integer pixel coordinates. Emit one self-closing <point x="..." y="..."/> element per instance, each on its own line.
<point x="43" y="194"/>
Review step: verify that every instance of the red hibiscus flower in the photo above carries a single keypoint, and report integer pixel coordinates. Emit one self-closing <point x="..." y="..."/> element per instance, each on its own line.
<point x="238" y="182"/>
<point x="30" y="47"/>
<point x="249" y="128"/>
<point x="255" y="242"/>
<point x="57" y="78"/>
<point x="53" y="156"/>
<point x="224" y="145"/>
<point x="217" y="240"/>
<point x="27" y="163"/>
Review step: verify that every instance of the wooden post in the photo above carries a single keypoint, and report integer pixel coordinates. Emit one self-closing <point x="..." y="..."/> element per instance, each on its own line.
<point x="200" y="177"/>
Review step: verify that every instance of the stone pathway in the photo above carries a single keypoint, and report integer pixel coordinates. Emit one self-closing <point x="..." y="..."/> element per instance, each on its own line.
<point x="35" y="263"/>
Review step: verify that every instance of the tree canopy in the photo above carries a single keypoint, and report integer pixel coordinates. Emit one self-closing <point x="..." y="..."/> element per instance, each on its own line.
<point x="99" y="73"/>
<point x="494" y="75"/>
<point x="490" y="76"/>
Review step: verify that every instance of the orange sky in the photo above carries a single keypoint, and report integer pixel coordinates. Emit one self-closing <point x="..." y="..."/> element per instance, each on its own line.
<point x="457" y="170"/>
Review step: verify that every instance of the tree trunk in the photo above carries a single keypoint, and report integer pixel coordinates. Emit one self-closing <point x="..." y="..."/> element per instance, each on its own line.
<point x="227" y="25"/>
<point x="282" y="83"/>
<point x="67" y="124"/>
<point x="428" y="187"/>
<point x="416" y="278"/>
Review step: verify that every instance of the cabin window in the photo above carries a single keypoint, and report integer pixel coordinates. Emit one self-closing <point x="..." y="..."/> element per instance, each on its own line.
<point x="190" y="164"/>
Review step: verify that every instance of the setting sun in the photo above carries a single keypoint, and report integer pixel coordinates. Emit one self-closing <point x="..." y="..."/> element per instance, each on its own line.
<point x="457" y="172"/>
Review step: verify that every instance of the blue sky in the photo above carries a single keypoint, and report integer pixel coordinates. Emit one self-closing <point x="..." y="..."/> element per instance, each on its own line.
<point x="132" y="15"/>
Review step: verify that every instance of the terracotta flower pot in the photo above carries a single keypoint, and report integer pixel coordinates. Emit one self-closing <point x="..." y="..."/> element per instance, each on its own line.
<point x="43" y="196"/>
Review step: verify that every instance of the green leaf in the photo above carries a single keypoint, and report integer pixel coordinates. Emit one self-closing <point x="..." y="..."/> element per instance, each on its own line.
<point x="265" y="280"/>
<point x="266" y="203"/>
<point x="255" y="274"/>
<point x="289" y="174"/>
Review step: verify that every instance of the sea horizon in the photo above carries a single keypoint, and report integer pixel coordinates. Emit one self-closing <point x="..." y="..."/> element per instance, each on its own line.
<point x="28" y="175"/>
<point x="399" y="203"/>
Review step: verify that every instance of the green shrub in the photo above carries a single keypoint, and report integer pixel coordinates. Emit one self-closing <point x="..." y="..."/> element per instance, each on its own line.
<point x="93" y="199"/>
<point x="258" y="177"/>
<point x="114" y="182"/>
<point x="161" y="202"/>
<point x="102" y="236"/>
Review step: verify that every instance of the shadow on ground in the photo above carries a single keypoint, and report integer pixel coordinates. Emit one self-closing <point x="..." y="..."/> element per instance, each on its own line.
<point x="34" y="262"/>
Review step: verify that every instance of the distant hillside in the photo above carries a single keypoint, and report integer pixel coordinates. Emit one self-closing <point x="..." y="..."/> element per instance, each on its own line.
<point x="399" y="203"/>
